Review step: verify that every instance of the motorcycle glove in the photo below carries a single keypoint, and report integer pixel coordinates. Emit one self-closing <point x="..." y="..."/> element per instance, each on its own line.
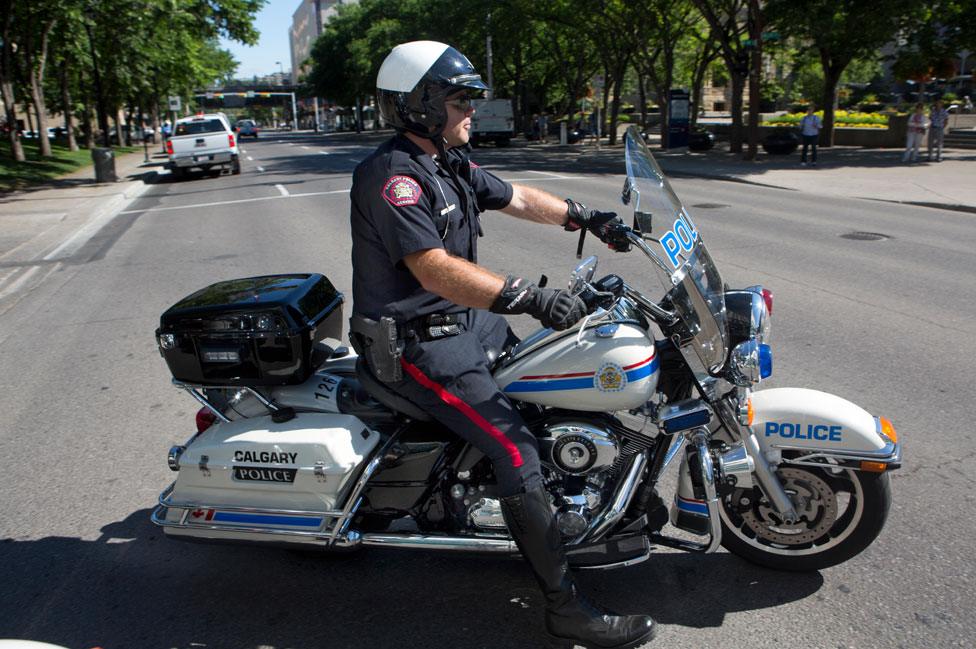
<point x="607" y="226"/>
<point x="555" y="308"/>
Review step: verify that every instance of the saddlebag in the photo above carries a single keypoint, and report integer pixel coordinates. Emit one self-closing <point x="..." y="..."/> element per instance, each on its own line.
<point x="250" y="332"/>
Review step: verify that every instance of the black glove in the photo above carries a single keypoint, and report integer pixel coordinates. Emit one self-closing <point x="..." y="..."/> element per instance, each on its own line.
<point x="607" y="226"/>
<point x="555" y="308"/>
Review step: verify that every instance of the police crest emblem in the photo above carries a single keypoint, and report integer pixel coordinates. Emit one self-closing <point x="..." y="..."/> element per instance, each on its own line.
<point x="610" y="378"/>
<point x="402" y="190"/>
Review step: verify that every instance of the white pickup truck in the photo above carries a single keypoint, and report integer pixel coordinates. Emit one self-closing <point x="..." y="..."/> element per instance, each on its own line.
<point x="202" y="141"/>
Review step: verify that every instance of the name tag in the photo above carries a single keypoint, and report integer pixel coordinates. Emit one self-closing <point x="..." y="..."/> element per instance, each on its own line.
<point x="449" y="208"/>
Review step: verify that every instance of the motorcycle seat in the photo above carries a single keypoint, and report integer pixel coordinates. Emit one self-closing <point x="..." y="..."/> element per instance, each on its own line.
<point x="378" y="390"/>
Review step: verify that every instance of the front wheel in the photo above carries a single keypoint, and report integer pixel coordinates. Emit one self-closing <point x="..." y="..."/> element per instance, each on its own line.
<point x="840" y="513"/>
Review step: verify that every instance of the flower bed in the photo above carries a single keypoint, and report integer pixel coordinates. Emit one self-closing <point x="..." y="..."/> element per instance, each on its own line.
<point x="842" y="119"/>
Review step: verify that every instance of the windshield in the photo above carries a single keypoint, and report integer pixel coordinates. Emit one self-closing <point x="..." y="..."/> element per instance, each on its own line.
<point x="199" y="127"/>
<point x="684" y="266"/>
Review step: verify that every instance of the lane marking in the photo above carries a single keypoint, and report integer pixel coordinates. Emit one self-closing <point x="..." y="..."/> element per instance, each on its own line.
<point x="281" y="188"/>
<point x="545" y="173"/>
<point x="306" y="147"/>
<point x="261" y="169"/>
<point x="324" y="152"/>
<point x="250" y="158"/>
<point x="15" y="285"/>
<point x="236" y="202"/>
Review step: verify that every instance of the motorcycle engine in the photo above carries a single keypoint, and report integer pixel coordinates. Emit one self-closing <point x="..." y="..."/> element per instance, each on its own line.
<point x="578" y="461"/>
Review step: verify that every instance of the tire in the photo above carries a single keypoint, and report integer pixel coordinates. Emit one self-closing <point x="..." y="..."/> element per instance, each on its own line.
<point x="837" y="531"/>
<point x="179" y="173"/>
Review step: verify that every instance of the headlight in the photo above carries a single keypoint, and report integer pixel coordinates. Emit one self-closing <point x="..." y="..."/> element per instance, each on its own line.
<point x="750" y="363"/>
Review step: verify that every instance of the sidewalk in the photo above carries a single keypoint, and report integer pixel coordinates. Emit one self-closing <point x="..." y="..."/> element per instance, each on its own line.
<point x="850" y="172"/>
<point x="43" y="226"/>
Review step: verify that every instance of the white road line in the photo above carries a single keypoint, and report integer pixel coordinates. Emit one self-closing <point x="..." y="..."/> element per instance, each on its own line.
<point x="545" y="173"/>
<point x="281" y="188"/>
<point x="306" y="147"/>
<point x="20" y="281"/>
<point x="243" y="200"/>
<point x="261" y="169"/>
<point x="250" y="158"/>
<point x="324" y="152"/>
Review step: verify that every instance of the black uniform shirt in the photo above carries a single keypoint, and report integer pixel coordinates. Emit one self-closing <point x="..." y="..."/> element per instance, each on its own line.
<point x="404" y="202"/>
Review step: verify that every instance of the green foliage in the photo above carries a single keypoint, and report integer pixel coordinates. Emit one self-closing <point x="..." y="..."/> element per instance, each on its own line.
<point x="19" y="175"/>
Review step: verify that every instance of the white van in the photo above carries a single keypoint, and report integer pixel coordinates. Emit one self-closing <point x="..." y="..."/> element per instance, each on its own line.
<point x="493" y="120"/>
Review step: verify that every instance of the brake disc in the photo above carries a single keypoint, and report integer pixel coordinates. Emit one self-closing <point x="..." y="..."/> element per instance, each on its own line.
<point x="815" y="504"/>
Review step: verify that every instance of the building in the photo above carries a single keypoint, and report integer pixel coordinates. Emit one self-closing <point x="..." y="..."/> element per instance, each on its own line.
<point x="306" y="25"/>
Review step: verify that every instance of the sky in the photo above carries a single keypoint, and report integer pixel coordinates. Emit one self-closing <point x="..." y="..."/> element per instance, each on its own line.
<point x="273" y="22"/>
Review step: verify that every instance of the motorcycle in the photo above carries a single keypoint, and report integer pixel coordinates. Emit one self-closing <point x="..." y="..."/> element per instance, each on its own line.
<point x="299" y="444"/>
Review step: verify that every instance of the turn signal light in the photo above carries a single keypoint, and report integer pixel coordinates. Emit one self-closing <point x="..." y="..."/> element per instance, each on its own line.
<point x="767" y="297"/>
<point x="888" y="429"/>
<point x="169" y="147"/>
<point x="874" y="467"/>
<point x="230" y="136"/>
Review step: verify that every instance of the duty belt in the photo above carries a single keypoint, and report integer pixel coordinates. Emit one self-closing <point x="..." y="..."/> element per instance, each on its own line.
<point x="434" y="326"/>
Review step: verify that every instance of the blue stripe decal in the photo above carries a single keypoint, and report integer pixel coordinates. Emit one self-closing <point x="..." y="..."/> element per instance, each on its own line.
<point x="262" y="519"/>
<point x="550" y="385"/>
<point x="692" y="506"/>
<point x="643" y="372"/>
<point x="585" y="383"/>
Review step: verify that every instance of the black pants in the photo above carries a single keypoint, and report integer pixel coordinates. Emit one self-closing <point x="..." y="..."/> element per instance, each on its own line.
<point x="450" y="379"/>
<point x="811" y="141"/>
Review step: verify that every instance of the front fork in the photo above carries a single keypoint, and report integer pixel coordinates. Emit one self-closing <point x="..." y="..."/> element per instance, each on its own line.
<point x="701" y="516"/>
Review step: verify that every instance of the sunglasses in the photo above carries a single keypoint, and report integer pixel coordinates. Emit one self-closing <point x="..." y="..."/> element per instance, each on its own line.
<point x="461" y="104"/>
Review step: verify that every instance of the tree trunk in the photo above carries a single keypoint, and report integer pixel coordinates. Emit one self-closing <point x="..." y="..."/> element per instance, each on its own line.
<point x="117" y="118"/>
<point x="698" y="80"/>
<point x="735" y="142"/>
<point x="832" y="72"/>
<point x="67" y="107"/>
<point x="130" y="123"/>
<point x="35" y="75"/>
<point x="642" y="93"/>
<point x="13" y="135"/>
<point x="618" y="85"/>
<point x="755" y="75"/>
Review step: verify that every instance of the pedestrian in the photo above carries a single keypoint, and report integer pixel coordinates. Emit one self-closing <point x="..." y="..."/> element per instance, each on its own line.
<point x="938" y="120"/>
<point x="415" y="217"/>
<point x="535" y="126"/>
<point x="810" y="126"/>
<point x="165" y="131"/>
<point x="917" y="123"/>
<point x="543" y="127"/>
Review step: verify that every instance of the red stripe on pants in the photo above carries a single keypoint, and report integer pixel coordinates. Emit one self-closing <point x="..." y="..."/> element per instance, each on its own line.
<point x="464" y="409"/>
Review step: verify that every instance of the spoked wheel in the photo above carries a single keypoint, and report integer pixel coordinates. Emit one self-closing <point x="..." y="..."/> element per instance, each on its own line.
<point x="840" y="512"/>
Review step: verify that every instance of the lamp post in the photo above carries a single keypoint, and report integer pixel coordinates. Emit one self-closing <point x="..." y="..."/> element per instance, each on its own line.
<point x="281" y="73"/>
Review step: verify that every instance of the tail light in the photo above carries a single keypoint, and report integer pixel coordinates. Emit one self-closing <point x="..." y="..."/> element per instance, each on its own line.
<point x="230" y="136"/>
<point x="205" y="419"/>
<point x="767" y="296"/>
<point x="169" y="147"/>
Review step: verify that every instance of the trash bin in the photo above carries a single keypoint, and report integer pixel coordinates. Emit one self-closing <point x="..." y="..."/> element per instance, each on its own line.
<point x="104" y="160"/>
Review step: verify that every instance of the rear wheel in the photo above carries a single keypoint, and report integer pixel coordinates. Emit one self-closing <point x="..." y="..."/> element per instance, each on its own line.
<point x="840" y="513"/>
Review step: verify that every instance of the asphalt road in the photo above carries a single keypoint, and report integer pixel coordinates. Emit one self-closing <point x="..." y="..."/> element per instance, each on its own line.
<point x="88" y="414"/>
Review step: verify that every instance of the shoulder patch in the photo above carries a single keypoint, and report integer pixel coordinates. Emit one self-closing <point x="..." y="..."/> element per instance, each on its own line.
<point x="402" y="190"/>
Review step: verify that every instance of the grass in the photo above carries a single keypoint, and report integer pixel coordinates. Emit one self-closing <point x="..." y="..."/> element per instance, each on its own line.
<point x="34" y="171"/>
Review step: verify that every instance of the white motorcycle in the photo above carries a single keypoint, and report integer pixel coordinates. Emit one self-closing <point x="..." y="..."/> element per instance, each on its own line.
<point x="299" y="444"/>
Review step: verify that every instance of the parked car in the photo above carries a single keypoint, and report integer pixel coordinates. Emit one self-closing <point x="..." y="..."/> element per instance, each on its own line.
<point x="700" y="139"/>
<point x="246" y="128"/>
<point x="781" y="141"/>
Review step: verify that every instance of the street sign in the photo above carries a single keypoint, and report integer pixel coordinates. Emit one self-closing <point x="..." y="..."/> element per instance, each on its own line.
<point x="174" y="103"/>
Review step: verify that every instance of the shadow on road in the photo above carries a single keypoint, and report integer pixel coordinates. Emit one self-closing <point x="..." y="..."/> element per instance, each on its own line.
<point x="132" y="587"/>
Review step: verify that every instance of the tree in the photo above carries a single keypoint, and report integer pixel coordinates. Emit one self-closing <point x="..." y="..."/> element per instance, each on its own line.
<point x="839" y="33"/>
<point x="729" y="22"/>
<point x="7" y="74"/>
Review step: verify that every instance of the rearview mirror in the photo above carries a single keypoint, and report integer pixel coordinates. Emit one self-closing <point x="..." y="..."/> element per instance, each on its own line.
<point x="642" y="223"/>
<point x="582" y="274"/>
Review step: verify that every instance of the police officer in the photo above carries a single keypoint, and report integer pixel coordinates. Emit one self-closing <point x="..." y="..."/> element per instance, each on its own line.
<point x="416" y="204"/>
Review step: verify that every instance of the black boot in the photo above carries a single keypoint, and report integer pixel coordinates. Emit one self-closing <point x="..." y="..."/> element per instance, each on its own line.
<point x="569" y="617"/>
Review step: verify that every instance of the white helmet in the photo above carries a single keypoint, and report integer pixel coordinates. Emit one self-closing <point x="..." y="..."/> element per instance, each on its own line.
<point x="414" y="81"/>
